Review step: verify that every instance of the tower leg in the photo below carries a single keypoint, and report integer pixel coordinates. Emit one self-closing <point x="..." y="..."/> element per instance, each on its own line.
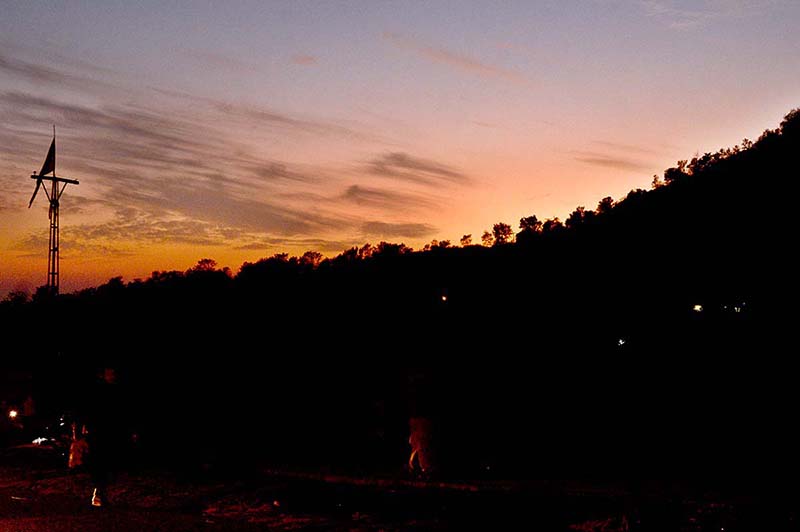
<point x="53" y="261"/>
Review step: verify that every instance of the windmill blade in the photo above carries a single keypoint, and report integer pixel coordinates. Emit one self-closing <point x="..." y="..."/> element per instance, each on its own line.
<point x="38" y="184"/>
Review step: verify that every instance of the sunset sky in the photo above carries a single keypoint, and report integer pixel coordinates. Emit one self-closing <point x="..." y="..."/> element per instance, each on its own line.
<point x="236" y="130"/>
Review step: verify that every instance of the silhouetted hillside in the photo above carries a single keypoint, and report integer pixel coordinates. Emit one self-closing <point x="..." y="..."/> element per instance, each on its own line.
<point x="647" y="333"/>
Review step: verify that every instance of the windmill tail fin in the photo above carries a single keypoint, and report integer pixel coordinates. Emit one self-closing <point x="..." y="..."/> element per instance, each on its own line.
<point x="38" y="184"/>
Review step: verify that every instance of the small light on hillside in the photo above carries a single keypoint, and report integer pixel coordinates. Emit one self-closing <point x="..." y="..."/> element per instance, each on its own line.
<point x="697" y="308"/>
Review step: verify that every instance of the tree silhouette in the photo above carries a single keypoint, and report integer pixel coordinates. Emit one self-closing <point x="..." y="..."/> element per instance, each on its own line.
<point x="552" y="226"/>
<point x="530" y="227"/>
<point x="502" y="233"/>
<point x="385" y="249"/>
<point x="791" y="123"/>
<point x="605" y="206"/>
<point x="575" y="218"/>
<point x="16" y="298"/>
<point x="656" y="182"/>
<point x="487" y="239"/>
<point x="365" y="251"/>
<point x="466" y="240"/>
<point x="205" y="265"/>
<point x="530" y="223"/>
<point x="311" y="259"/>
<point x="676" y="173"/>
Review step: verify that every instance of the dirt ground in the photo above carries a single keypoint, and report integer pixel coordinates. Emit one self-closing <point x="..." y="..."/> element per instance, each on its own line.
<point x="37" y="493"/>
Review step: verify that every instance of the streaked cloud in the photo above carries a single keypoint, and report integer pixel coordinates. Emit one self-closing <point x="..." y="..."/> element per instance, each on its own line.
<point x="405" y="167"/>
<point x="219" y="61"/>
<point x="385" y="199"/>
<point x="460" y="62"/>
<point x="277" y="244"/>
<point x="45" y="75"/>
<point x="611" y="161"/>
<point x="271" y="171"/>
<point x="397" y="230"/>
<point x="678" y="18"/>
<point x="72" y="245"/>
<point x="305" y="60"/>
<point x="626" y="148"/>
<point x="689" y="16"/>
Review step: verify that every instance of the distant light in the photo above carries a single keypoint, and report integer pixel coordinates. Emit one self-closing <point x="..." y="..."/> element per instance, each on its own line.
<point x="39" y="441"/>
<point x="697" y="308"/>
<point x="13" y="414"/>
<point x="444" y="298"/>
<point x="621" y="342"/>
<point x="737" y="310"/>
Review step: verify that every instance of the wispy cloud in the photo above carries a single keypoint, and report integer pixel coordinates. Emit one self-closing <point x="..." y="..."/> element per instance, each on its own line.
<point x="611" y="161"/>
<point x="278" y="244"/>
<point x="304" y="60"/>
<point x="397" y="230"/>
<point x="680" y="17"/>
<point x="250" y="116"/>
<point x="272" y="171"/>
<point x="126" y="233"/>
<point x="626" y="148"/>
<point x="385" y="199"/>
<point x="219" y="61"/>
<point x="72" y="245"/>
<point x="139" y="226"/>
<point x="405" y="167"/>
<point x="455" y="60"/>
<point x="41" y="74"/>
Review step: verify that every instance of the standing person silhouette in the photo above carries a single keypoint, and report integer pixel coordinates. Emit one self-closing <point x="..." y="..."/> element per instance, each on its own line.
<point x="104" y="418"/>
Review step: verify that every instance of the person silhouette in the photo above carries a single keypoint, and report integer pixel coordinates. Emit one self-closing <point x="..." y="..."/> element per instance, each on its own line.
<point x="104" y="421"/>
<point x="421" y="463"/>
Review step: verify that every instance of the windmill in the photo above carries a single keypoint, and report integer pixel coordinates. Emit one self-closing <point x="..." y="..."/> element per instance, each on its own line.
<point x="56" y="189"/>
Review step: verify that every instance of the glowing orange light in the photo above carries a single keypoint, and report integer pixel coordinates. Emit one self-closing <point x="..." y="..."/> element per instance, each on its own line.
<point x="13" y="414"/>
<point x="444" y="298"/>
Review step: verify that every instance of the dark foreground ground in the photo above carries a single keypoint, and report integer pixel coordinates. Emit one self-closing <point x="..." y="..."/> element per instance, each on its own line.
<point x="38" y="494"/>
